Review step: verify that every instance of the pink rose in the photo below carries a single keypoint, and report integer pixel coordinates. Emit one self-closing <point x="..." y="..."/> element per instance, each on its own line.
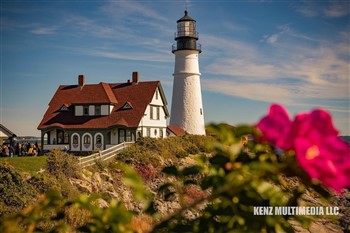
<point x="327" y="160"/>
<point x="319" y="150"/>
<point x="275" y="125"/>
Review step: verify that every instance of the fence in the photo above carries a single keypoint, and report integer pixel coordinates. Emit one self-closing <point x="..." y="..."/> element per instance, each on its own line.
<point x="103" y="155"/>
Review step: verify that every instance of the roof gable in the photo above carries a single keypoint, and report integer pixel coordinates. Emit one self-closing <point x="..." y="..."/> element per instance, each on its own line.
<point x="5" y="130"/>
<point x="137" y="96"/>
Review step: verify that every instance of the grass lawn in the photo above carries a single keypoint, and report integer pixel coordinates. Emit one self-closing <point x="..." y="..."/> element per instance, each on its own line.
<point x="27" y="164"/>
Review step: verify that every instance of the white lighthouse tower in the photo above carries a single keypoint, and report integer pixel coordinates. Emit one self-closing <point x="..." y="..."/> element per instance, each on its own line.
<point x="187" y="107"/>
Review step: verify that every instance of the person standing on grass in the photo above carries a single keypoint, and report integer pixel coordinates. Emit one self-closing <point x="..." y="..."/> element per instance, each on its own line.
<point x="6" y="151"/>
<point x="12" y="151"/>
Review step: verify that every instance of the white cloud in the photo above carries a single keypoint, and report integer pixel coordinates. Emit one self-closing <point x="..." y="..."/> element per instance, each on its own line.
<point x="293" y="72"/>
<point x="330" y="9"/>
<point x="254" y="91"/>
<point x="337" y="9"/>
<point x="130" y="9"/>
<point x="272" y="39"/>
<point x="241" y="68"/>
<point x="133" y="56"/>
<point x="44" y="31"/>
<point x="307" y="10"/>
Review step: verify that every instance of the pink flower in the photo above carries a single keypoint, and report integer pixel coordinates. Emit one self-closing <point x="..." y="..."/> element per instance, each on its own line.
<point x="327" y="160"/>
<point x="275" y="125"/>
<point x="319" y="150"/>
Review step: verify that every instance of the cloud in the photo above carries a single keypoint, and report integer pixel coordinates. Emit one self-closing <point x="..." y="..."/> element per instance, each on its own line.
<point x="272" y="39"/>
<point x="337" y="9"/>
<point x="330" y="9"/>
<point x="308" y="10"/>
<point x="131" y="9"/>
<point x="253" y="91"/>
<point x="133" y="56"/>
<point x="291" y="71"/>
<point x="43" y="31"/>
<point x="241" y="68"/>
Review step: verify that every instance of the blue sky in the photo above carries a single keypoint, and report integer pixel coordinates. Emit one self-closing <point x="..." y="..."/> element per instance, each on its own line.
<point x="254" y="53"/>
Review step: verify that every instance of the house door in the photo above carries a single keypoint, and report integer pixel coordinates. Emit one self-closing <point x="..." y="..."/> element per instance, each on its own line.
<point x="121" y="135"/>
<point x="126" y="135"/>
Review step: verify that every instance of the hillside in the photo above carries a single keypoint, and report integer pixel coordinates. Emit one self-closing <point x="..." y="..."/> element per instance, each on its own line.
<point x="105" y="183"/>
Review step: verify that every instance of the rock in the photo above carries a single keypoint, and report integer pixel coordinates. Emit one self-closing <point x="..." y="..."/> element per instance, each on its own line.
<point x="101" y="203"/>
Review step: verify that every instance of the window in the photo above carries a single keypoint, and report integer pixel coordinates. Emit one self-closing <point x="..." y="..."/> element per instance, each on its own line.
<point x="97" y="110"/>
<point x="75" y="139"/>
<point x="158" y="113"/>
<point x="155" y="132"/>
<point x="152" y="112"/>
<point x="127" y="105"/>
<point x="128" y="136"/>
<point x="201" y="111"/>
<point x="87" y="140"/>
<point x="98" y="139"/>
<point x="121" y="136"/>
<point x="148" y="132"/>
<point x="157" y="95"/>
<point x="64" y="108"/>
<point x="62" y="137"/>
<point x="161" y="133"/>
<point x="86" y="110"/>
<point x="186" y="28"/>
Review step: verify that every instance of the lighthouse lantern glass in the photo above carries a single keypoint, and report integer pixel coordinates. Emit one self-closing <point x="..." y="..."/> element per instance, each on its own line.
<point x="186" y="28"/>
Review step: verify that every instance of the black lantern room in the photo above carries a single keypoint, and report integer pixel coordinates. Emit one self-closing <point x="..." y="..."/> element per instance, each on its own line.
<point x="186" y="35"/>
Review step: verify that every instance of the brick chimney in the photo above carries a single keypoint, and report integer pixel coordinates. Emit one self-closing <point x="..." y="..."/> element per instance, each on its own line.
<point x="135" y="77"/>
<point x="81" y="80"/>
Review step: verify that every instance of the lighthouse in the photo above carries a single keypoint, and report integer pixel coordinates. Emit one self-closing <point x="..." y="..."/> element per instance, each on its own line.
<point x="187" y="108"/>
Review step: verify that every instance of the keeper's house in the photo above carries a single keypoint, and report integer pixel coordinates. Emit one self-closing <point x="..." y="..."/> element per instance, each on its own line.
<point x="87" y="117"/>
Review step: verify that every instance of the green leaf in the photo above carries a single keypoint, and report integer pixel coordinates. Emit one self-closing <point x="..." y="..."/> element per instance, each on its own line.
<point x="190" y="181"/>
<point x="171" y="170"/>
<point x="192" y="170"/>
<point x="219" y="160"/>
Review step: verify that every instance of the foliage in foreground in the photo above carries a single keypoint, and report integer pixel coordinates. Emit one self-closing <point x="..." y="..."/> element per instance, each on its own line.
<point x="236" y="177"/>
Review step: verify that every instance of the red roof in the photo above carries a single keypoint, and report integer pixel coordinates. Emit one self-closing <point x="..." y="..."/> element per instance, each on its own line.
<point x="176" y="130"/>
<point x="137" y="95"/>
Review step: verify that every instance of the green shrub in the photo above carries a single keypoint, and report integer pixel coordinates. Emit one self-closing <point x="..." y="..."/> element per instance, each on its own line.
<point x="59" y="163"/>
<point x="152" y="150"/>
<point x="15" y="192"/>
<point x="43" y="182"/>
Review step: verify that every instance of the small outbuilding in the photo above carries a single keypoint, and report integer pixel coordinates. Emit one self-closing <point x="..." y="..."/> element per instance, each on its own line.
<point x="5" y="134"/>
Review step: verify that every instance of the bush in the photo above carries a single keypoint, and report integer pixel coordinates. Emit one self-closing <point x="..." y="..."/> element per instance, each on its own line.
<point x="15" y="192"/>
<point x="60" y="163"/>
<point x="152" y="151"/>
<point x="147" y="172"/>
<point x="43" y="182"/>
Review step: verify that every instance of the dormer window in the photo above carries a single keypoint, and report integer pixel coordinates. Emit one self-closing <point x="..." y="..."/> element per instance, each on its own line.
<point x="86" y="110"/>
<point x="126" y="106"/>
<point x="98" y="110"/>
<point x="64" y="108"/>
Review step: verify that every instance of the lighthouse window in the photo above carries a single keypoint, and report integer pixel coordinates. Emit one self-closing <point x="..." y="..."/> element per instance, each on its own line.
<point x="185" y="28"/>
